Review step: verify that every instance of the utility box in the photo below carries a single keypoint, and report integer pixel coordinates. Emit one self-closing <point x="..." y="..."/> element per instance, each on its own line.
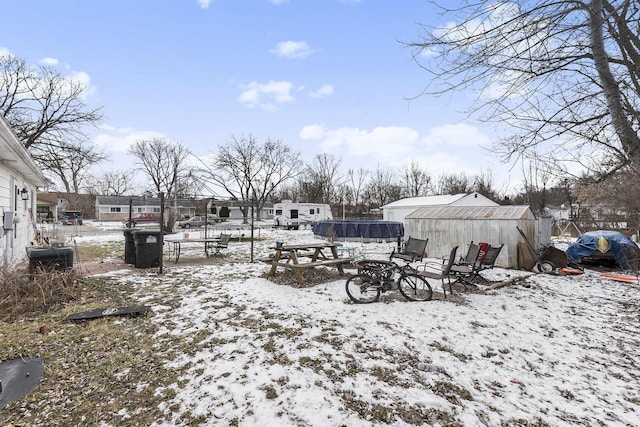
<point x="8" y="220"/>
<point x="148" y="248"/>
<point x="56" y="258"/>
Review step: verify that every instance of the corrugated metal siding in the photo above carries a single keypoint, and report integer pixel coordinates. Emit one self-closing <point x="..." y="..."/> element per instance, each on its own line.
<point x="449" y="226"/>
<point x="473" y="212"/>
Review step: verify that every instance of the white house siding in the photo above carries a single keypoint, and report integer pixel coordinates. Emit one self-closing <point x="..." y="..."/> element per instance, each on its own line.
<point x="16" y="240"/>
<point x="448" y="226"/>
<point x="17" y="172"/>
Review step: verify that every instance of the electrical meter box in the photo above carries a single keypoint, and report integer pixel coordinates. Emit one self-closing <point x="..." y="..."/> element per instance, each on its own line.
<point x="8" y="220"/>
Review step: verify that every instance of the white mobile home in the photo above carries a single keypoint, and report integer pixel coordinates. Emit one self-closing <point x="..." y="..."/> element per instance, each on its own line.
<point x="294" y="215"/>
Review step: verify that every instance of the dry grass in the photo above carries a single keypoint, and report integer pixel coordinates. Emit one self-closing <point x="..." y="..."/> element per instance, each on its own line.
<point x="28" y="294"/>
<point x="103" y="369"/>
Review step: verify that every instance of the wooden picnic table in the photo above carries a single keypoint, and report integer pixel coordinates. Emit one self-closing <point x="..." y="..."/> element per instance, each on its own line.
<point x="176" y="245"/>
<point x="290" y="257"/>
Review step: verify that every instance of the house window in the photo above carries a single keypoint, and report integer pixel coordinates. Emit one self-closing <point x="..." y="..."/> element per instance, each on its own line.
<point x="115" y="209"/>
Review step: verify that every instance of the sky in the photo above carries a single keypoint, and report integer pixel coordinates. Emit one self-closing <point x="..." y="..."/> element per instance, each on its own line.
<point x="547" y="350"/>
<point x="330" y="76"/>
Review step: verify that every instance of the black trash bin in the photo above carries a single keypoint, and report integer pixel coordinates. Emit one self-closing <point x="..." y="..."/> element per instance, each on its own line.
<point x="148" y="248"/>
<point x="129" y="247"/>
<point x="54" y="257"/>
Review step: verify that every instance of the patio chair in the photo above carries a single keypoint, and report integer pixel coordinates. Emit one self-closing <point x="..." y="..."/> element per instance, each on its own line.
<point x="487" y="262"/>
<point x="468" y="264"/>
<point x="441" y="272"/>
<point x="413" y="250"/>
<point x="223" y="243"/>
<point x="472" y="257"/>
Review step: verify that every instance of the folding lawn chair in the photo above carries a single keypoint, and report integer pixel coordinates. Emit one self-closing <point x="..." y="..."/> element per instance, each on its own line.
<point x="467" y="266"/>
<point x="413" y="250"/>
<point x="469" y="275"/>
<point x="223" y="243"/>
<point x="442" y="272"/>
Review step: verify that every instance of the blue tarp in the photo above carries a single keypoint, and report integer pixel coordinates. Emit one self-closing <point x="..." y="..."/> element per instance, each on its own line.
<point x="623" y="250"/>
<point x="347" y="228"/>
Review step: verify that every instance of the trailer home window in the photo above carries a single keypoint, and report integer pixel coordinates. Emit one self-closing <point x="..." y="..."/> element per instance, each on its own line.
<point x="278" y="211"/>
<point x="311" y="211"/>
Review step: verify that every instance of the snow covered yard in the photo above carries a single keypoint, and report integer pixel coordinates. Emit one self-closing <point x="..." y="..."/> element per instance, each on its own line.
<point x="550" y="350"/>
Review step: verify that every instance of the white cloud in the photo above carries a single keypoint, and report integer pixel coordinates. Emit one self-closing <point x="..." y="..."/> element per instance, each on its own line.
<point x="396" y="146"/>
<point x="204" y="4"/>
<point x="291" y="49"/>
<point x="49" y="61"/>
<point x="312" y="132"/>
<point x="428" y="52"/>
<point x="459" y="134"/>
<point x="118" y="140"/>
<point x="323" y="91"/>
<point x="4" y="52"/>
<point x="266" y="95"/>
<point x="382" y="142"/>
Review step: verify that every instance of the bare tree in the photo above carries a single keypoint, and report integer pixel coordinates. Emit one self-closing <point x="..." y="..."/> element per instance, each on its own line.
<point x="72" y="168"/>
<point x="416" y="181"/>
<point x="483" y="184"/>
<point x="382" y="188"/>
<point x="49" y="114"/>
<point x="564" y="75"/>
<point x="163" y="161"/>
<point x="356" y="181"/>
<point x="114" y="183"/>
<point x="249" y="171"/>
<point x="189" y="185"/>
<point x="537" y="181"/>
<point x="454" y="183"/>
<point x="610" y="200"/>
<point x="321" y="179"/>
<point x="287" y="191"/>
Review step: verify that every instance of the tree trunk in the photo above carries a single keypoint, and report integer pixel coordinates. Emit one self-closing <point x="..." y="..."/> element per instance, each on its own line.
<point x="628" y="138"/>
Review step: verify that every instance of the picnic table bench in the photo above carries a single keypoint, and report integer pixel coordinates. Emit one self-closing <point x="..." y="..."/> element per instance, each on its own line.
<point x="290" y="256"/>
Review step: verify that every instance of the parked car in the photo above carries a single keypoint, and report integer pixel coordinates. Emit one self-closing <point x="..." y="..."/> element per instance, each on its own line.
<point x="198" y="221"/>
<point x="142" y="218"/>
<point x="72" y="218"/>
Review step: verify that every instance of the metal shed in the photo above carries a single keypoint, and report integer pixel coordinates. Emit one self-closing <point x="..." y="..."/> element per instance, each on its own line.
<point x="448" y="226"/>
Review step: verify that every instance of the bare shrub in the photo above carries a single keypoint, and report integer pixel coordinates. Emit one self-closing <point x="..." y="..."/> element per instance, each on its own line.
<point x="36" y="292"/>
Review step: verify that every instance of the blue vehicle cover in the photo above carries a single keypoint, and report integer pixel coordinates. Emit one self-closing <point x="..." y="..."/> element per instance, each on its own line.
<point x="358" y="228"/>
<point x="625" y="251"/>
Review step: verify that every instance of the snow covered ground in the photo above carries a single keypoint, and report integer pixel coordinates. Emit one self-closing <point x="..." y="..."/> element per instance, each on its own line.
<point x="547" y="350"/>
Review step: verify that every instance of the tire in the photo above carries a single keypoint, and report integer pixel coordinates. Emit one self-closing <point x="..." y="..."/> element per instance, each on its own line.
<point x="415" y="288"/>
<point x="362" y="289"/>
<point x="187" y="226"/>
<point x="547" y="267"/>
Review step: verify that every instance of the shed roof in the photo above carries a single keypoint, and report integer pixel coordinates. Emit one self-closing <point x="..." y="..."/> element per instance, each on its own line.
<point x="439" y="200"/>
<point x="443" y="199"/>
<point x="472" y="212"/>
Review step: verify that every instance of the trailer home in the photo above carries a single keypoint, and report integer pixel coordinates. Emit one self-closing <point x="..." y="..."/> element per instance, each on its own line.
<point x="295" y="215"/>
